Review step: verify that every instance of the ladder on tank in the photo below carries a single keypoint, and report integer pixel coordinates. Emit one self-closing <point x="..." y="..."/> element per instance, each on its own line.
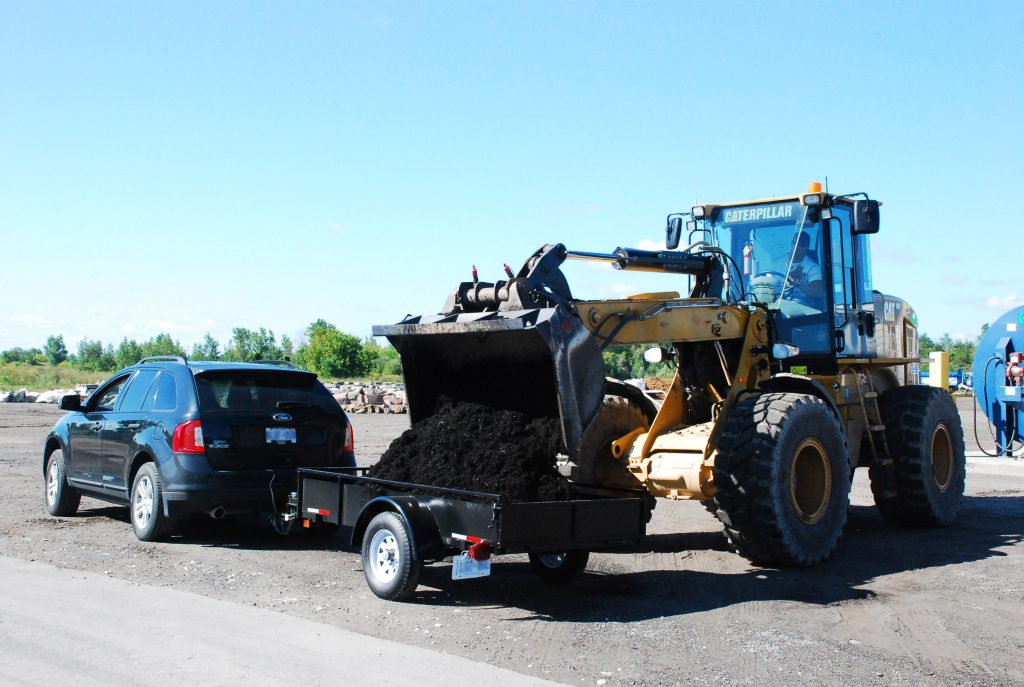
<point x="875" y="428"/>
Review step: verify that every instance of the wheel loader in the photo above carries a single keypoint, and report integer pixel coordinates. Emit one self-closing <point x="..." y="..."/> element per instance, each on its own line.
<point x="791" y="372"/>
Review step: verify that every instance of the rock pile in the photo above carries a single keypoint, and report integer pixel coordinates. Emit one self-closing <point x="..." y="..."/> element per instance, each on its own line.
<point x="370" y="398"/>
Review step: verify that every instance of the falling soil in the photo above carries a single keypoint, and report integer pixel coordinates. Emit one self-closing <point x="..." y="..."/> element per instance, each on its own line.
<point x="474" y="447"/>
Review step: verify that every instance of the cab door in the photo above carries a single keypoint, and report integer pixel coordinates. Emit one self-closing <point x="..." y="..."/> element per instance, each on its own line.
<point x="853" y="331"/>
<point x="121" y="429"/>
<point x="85" y="435"/>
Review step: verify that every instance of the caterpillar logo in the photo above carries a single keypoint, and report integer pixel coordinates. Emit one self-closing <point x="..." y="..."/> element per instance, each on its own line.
<point x="889" y="314"/>
<point x="765" y="212"/>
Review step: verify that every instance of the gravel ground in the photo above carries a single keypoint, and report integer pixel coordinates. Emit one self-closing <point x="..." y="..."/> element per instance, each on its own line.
<point x="914" y="607"/>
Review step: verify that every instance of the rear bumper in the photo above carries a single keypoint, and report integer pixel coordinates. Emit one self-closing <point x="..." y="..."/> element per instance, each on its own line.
<point x="191" y="486"/>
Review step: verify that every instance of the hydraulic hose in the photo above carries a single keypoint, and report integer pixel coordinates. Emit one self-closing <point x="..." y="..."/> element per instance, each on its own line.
<point x="999" y="447"/>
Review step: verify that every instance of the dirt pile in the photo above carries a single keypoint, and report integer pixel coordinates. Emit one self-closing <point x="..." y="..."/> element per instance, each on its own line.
<point x="470" y="446"/>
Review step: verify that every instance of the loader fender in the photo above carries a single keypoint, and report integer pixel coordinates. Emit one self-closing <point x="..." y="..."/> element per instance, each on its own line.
<point x="613" y="387"/>
<point x="789" y="383"/>
<point x="426" y="540"/>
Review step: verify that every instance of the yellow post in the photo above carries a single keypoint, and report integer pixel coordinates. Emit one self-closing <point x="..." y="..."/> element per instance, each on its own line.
<point x="938" y="369"/>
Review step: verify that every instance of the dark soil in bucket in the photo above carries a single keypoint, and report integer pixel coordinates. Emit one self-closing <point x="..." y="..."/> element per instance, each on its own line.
<point x="474" y="447"/>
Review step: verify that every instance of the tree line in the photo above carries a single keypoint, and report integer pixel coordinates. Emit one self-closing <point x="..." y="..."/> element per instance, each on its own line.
<point x="325" y="350"/>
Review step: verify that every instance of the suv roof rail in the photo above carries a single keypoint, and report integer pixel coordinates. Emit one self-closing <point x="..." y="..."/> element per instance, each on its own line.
<point x="165" y="359"/>
<point x="280" y="363"/>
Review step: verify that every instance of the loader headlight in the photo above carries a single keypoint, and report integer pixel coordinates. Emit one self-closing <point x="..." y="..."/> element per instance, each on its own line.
<point x="698" y="212"/>
<point x="781" y="351"/>
<point x="812" y="199"/>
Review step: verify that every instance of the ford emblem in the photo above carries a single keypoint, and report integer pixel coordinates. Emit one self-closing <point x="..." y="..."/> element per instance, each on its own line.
<point x="283" y="417"/>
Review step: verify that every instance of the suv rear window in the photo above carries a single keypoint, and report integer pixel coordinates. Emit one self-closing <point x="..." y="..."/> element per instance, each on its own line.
<point x="256" y="390"/>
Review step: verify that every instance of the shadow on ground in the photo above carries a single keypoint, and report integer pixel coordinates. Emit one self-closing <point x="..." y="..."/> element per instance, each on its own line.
<point x="870" y="549"/>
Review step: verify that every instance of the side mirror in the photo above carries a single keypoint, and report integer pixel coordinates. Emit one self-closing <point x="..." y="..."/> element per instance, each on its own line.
<point x="71" y="402"/>
<point x="673" y="232"/>
<point x="865" y="217"/>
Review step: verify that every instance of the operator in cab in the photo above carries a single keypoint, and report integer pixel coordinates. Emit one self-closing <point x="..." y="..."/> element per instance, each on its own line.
<point x="803" y="277"/>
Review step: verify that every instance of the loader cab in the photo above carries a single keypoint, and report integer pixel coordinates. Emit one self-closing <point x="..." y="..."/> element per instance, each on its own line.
<point x="800" y="258"/>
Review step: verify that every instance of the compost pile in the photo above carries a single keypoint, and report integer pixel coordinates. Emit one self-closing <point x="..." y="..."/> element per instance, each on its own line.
<point x="474" y="447"/>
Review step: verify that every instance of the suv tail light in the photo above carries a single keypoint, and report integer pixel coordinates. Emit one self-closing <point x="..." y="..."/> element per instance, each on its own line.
<point x="350" y="439"/>
<point x="188" y="438"/>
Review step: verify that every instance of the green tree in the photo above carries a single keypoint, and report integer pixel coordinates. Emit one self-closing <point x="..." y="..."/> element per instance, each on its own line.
<point x="382" y="360"/>
<point x="209" y="349"/>
<point x="249" y="344"/>
<point x="94" y="357"/>
<point x="27" y="356"/>
<point x="331" y="353"/>
<point x="161" y="344"/>
<point x="128" y="353"/>
<point x="55" y="350"/>
<point x="287" y="348"/>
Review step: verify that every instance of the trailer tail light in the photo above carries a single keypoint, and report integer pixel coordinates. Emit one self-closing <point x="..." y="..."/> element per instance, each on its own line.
<point x="188" y="438"/>
<point x="478" y="549"/>
<point x="350" y="439"/>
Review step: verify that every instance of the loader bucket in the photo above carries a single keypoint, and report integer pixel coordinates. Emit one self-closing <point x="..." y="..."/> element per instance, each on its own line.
<point x="542" y="362"/>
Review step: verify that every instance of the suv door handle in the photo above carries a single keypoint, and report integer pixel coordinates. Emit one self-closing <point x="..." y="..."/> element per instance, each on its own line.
<point x="97" y="426"/>
<point x="133" y="425"/>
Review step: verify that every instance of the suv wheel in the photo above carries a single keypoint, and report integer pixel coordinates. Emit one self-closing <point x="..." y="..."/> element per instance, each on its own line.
<point x="61" y="497"/>
<point x="148" y="519"/>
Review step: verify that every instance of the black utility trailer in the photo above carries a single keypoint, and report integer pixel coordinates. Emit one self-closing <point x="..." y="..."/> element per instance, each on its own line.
<point x="400" y="526"/>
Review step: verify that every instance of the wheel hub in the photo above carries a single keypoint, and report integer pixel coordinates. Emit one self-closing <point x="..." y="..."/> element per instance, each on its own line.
<point x="552" y="560"/>
<point x="52" y="481"/>
<point x="942" y="457"/>
<point x="142" y="502"/>
<point x="810" y="485"/>
<point x="384" y="556"/>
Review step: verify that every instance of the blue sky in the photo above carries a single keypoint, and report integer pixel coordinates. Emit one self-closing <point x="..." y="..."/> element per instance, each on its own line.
<point x="190" y="167"/>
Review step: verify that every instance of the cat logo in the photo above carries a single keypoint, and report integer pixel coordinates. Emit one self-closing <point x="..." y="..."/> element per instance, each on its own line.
<point x="890" y="312"/>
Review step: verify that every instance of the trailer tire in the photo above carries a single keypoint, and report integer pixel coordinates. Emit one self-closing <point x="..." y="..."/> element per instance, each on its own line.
<point x="782" y="479"/>
<point x="61" y="498"/>
<point x="388" y="563"/>
<point x="559" y="568"/>
<point x="925" y="482"/>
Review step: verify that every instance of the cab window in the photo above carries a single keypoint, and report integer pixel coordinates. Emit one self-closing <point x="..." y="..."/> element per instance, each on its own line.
<point x="137" y="390"/>
<point x="106" y="398"/>
<point x="163" y="394"/>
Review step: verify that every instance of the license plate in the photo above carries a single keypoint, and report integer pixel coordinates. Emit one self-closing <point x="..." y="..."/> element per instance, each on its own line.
<point x="281" y="435"/>
<point x="464" y="567"/>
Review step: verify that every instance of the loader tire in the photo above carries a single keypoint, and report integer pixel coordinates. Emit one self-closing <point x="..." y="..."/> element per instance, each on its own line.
<point x="924" y="483"/>
<point x="782" y="479"/>
<point x="595" y="463"/>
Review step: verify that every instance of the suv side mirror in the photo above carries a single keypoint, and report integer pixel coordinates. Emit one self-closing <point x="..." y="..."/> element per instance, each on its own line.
<point x="71" y="402"/>
<point x="865" y="217"/>
<point x="673" y="232"/>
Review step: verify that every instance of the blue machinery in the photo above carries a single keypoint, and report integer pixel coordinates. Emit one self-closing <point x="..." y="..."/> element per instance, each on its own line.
<point x="999" y="380"/>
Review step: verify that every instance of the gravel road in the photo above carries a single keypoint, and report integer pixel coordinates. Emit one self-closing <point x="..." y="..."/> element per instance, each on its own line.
<point x="894" y="606"/>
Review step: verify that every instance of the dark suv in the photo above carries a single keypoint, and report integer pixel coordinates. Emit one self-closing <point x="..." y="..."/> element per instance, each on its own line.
<point x="172" y="438"/>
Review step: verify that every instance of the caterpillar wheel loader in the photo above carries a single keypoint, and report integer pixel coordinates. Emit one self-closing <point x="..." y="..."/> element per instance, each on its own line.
<point x="791" y="371"/>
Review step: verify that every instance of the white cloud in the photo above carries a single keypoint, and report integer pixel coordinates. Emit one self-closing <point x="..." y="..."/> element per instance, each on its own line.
<point x="1010" y="300"/>
<point x="648" y="244"/>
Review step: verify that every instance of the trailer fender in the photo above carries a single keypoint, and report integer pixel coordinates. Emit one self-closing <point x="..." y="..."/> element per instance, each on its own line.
<point x="423" y="530"/>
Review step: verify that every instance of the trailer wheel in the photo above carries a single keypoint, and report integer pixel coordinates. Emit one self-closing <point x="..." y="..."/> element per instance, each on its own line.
<point x="782" y="479"/>
<point x="561" y="567"/>
<point x="925" y="483"/>
<point x="388" y="563"/>
<point x="61" y="497"/>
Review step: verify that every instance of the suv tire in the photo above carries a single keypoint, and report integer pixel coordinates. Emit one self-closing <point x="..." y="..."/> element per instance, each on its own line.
<point x="146" y="505"/>
<point x="61" y="497"/>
